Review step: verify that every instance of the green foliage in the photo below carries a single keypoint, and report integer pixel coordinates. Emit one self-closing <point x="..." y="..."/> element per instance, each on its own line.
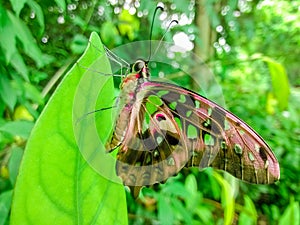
<point x="257" y="67"/>
<point x="5" y="202"/>
<point x="291" y="215"/>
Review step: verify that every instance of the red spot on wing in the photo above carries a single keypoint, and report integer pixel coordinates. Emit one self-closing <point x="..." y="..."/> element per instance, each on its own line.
<point x="160" y="117"/>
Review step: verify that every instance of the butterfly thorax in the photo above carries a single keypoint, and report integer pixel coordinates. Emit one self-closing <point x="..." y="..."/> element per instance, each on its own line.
<point x="130" y="86"/>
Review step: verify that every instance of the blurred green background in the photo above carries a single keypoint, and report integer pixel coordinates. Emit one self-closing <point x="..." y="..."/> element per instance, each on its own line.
<point x="252" y="47"/>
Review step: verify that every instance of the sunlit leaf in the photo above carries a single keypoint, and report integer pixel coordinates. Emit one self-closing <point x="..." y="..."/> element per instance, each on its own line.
<point x="191" y="184"/>
<point x="128" y="24"/>
<point x="280" y="82"/>
<point x="226" y="198"/>
<point x="54" y="173"/>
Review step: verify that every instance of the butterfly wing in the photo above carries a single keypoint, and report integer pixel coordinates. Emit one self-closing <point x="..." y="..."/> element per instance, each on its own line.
<point x="153" y="148"/>
<point x="170" y="127"/>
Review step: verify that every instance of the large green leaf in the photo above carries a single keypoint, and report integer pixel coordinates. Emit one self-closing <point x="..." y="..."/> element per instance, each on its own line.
<point x="56" y="184"/>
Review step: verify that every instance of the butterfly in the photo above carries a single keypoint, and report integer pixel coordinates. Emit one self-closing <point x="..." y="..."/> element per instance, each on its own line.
<point x="162" y="128"/>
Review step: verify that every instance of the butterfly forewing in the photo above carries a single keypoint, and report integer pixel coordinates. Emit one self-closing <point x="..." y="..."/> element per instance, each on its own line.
<point x="217" y="138"/>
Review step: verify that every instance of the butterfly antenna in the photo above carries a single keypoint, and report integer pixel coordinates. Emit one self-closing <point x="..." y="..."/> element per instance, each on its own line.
<point x="167" y="30"/>
<point x="151" y="29"/>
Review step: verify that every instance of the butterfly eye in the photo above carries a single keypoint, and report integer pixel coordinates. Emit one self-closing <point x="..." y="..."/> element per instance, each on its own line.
<point x="138" y="66"/>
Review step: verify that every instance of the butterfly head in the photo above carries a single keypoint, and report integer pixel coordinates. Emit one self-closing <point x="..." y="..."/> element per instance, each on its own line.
<point x="140" y="67"/>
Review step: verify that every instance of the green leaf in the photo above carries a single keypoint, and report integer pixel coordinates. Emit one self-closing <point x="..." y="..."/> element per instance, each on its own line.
<point x="17" y="61"/>
<point x="59" y="168"/>
<point x="61" y="4"/>
<point x="7" y="35"/>
<point x="5" y="202"/>
<point x="78" y="43"/>
<point x="191" y="184"/>
<point x="7" y="93"/>
<point x="17" y="5"/>
<point x="165" y="212"/>
<point x="18" y="128"/>
<point x="280" y="82"/>
<point x="110" y="34"/>
<point x="32" y="93"/>
<point x="248" y="216"/>
<point x="176" y="189"/>
<point x="23" y="33"/>
<point x="226" y="198"/>
<point x="291" y="215"/>
<point x="38" y="12"/>
<point x="128" y="24"/>
<point x="180" y="211"/>
<point x="14" y="164"/>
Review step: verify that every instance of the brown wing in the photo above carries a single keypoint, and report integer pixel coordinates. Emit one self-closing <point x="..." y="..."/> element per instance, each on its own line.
<point x="170" y="127"/>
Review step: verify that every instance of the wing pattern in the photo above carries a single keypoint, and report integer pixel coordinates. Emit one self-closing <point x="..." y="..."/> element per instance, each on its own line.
<point x="166" y="128"/>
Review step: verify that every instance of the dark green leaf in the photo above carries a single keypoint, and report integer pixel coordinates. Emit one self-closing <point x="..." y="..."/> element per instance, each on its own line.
<point x="291" y="214"/>
<point x="5" y="202"/>
<point x="248" y="216"/>
<point x="38" y="12"/>
<point x="32" y="93"/>
<point x="17" y="5"/>
<point x="18" y="63"/>
<point x="176" y="189"/>
<point x="18" y="128"/>
<point x="23" y="33"/>
<point x="165" y="212"/>
<point x="110" y="34"/>
<point x="79" y="43"/>
<point x="14" y="164"/>
<point x="181" y="212"/>
<point x="61" y="4"/>
<point x="7" y="36"/>
<point x="7" y="93"/>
